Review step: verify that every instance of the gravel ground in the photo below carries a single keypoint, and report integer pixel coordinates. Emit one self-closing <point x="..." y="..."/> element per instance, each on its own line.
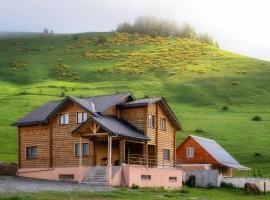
<point x="20" y="184"/>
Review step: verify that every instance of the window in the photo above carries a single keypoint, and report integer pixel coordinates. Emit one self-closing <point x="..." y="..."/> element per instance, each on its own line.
<point x="31" y="152"/>
<point x="172" y="179"/>
<point x="163" y="124"/>
<point x="190" y="152"/>
<point x="64" y="119"/>
<point x="166" y="154"/>
<point x="152" y="121"/>
<point x="81" y="117"/>
<point x="145" y="177"/>
<point x="85" y="149"/>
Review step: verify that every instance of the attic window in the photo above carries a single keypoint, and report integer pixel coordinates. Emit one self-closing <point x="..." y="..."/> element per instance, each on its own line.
<point x="163" y="124"/>
<point x="81" y="117"/>
<point x="190" y="152"/>
<point x="152" y="121"/>
<point x="64" y="119"/>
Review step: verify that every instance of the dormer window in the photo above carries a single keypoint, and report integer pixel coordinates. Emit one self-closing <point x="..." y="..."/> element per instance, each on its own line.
<point x="152" y="121"/>
<point x="64" y="119"/>
<point x="81" y="117"/>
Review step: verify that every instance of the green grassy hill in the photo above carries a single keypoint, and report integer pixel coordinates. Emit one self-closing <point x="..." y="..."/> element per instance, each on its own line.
<point x="195" y="78"/>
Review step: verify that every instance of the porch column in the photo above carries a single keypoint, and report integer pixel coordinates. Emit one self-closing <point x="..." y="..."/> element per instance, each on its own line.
<point x="81" y="152"/>
<point x="109" y="150"/>
<point x="109" y="164"/>
<point x="146" y="154"/>
<point x="81" y="162"/>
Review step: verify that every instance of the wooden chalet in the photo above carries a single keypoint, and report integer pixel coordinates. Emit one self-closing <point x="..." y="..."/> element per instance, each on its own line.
<point x="101" y="139"/>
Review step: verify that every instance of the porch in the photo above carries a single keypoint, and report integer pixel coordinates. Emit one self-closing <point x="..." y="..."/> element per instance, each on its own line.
<point x="114" y="143"/>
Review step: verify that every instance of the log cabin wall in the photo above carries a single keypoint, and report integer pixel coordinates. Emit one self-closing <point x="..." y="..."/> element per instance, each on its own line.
<point x="63" y="143"/>
<point x="166" y="138"/>
<point x="200" y="155"/>
<point x="34" y="136"/>
<point x="135" y="116"/>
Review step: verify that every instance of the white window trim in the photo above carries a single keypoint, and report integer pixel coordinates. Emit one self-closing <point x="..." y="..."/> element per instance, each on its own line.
<point x="149" y="121"/>
<point x="190" y="151"/>
<point x="59" y="117"/>
<point x="83" y="120"/>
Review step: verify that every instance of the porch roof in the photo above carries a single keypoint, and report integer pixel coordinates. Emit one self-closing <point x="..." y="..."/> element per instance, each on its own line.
<point x="115" y="126"/>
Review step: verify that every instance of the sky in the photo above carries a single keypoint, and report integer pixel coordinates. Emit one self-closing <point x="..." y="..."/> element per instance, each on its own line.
<point x="240" y="26"/>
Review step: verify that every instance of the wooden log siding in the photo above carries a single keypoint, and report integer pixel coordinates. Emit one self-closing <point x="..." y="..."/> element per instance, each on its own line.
<point x="64" y="143"/>
<point x="34" y="136"/>
<point x="136" y="116"/>
<point x="162" y="139"/>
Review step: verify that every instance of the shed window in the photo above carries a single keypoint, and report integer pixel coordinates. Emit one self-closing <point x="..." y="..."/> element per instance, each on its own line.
<point x="64" y="118"/>
<point x="163" y="124"/>
<point x="166" y="154"/>
<point x="85" y="149"/>
<point x="145" y="177"/>
<point x="152" y="121"/>
<point x="190" y="152"/>
<point x="172" y="179"/>
<point x="81" y="117"/>
<point x="31" y="152"/>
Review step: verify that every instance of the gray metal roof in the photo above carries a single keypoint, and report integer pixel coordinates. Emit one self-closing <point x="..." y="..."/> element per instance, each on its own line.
<point x="218" y="153"/>
<point x="102" y="103"/>
<point x="141" y="102"/>
<point x="116" y="126"/>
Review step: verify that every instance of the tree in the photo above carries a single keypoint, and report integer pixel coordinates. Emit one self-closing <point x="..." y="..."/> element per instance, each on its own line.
<point x="45" y="31"/>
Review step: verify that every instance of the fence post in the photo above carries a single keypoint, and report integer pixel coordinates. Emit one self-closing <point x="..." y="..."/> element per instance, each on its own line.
<point x="264" y="187"/>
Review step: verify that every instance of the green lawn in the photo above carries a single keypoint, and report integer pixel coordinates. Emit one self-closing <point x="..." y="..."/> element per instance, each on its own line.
<point x="146" y="194"/>
<point x="196" y="79"/>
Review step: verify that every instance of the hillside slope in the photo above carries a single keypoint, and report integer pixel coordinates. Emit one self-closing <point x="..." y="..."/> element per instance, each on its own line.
<point x="195" y="78"/>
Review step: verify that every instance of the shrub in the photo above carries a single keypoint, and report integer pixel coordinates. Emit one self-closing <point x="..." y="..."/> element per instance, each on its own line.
<point x="226" y="185"/>
<point x="256" y="118"/>
<point x="101" y="40"/>
<point x="135" y="186"/>
<point x="225" y="108"/>
<point x="199" y="131"/>
<point x="257" y="154"/>
<point x="146" y="96"/>
<point x="63" y="94"/>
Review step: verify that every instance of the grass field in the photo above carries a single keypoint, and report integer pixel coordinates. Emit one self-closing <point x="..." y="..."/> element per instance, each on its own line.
<point x="146" y="194"/>
<point x="195" y="78"/>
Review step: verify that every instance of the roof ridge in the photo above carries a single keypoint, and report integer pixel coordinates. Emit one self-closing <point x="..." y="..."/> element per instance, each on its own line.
<point x="202" y="138"/>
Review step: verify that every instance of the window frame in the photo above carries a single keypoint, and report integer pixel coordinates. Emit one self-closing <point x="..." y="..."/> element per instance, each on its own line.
<point x="31" y="152"/>
<point x="189" y="153"/>
<point x="163" y="119"/>
<point x="84" y="117"/>
<point x="64" y="114"/>
<point x="84" y="155"/>
<point x="153" y="117"/>
<point x="169" y="154"/>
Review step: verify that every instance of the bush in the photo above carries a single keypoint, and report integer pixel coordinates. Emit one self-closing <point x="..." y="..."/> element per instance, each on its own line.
<point x="63" y="94"/>
<point x="226" y="185"/>
<point x="199" y="131"/>
<point x="257" y="154"/>
<point x="256" y="118"/>
<point x="135" y="186"/>
<point x="101" y="40"/>
<point x="225" y="108"/>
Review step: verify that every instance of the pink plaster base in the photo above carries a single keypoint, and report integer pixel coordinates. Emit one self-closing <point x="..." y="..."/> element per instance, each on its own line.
<point x="159" y="176"/>
<point x="53" y="173"/>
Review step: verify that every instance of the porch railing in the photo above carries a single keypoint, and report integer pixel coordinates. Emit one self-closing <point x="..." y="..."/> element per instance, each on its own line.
<point x="151" y="161"/>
